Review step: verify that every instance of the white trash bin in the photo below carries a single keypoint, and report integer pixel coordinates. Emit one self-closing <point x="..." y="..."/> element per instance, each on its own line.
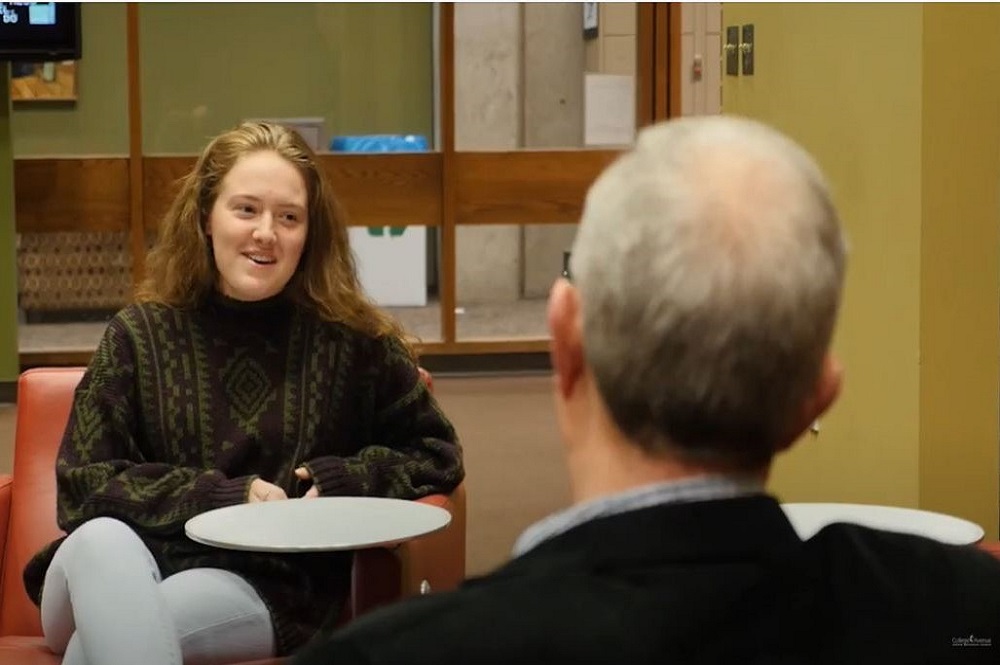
<point x="392" y="263"/>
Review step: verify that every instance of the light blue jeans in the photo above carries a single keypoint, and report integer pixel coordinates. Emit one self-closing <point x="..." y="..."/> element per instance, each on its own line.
<point x="104" y="603"/>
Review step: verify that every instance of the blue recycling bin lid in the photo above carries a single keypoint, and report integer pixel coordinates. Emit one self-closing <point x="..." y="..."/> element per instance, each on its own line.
<point x="379" y="143"/>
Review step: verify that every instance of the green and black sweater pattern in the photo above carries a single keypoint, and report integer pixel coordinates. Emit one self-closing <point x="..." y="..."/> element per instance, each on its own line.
<point x="180" y="409"/>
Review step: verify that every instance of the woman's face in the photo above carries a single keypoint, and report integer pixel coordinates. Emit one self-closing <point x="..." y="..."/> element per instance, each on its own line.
<point x="258" y="226"/>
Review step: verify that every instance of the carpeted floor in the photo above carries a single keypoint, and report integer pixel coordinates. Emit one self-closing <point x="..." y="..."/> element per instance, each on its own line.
<point x="513" y="459"/>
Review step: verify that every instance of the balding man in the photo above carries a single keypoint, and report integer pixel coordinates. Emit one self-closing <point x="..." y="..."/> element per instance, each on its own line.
<point x="692" y="346"/>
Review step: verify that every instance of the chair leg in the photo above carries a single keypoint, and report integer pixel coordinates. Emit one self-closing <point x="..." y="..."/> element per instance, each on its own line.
<point x="376" y="579"/>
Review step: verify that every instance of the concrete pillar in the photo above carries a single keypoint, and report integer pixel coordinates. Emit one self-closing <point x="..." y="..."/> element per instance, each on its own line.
<point x="488" y="117"/>
<point x="553" y="118"/>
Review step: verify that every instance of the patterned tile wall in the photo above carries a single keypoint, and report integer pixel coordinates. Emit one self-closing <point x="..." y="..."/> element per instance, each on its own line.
<point x="73" y="271"/>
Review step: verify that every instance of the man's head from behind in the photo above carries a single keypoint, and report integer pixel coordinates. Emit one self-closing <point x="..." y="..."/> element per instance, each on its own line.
<point x="707" y="272"/>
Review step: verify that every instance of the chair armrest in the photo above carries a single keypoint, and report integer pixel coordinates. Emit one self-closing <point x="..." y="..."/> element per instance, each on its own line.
<point x="991" y="547"/>
<point x="382" y="575"/>
<point x="6" y="489"/>
<point x="437" y="559"/>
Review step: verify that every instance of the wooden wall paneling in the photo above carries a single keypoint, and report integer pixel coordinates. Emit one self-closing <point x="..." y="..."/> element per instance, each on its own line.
<point x="381" y="189"/>
<point x="526" y="187"/>
<point x="161" y="178"/>
<point x="387" y="189"/>
<point x="482" y="347"/>
<point x="85" y="194"/>
<point x="473" y="347"/>
<point x="29" y="359"/>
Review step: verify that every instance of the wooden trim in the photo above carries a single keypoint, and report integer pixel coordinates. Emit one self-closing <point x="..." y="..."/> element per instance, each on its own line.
<point x="526" y="186"/>
<point x="161" y="178"/>
<point x="71" y="194"/>
<point x="473" y="347"/>
<point x="31" y="359"/>
<point x="483" y="347"/>
<point x="393" y="189"/>
<point x="673" y="64"/>
<point x="645" y="57"/>
<point x="449" y="169"/>
<point x="379" y="189"/>
<point x="661" y="56"/>
<point x="137" y="234"/>
<point x="94" y="194"/>
<point x="479" y="364"/>
<point x="387" y="189"/>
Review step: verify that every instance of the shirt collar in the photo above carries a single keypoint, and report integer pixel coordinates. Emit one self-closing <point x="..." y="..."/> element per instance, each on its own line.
<point x="702" y="488"/>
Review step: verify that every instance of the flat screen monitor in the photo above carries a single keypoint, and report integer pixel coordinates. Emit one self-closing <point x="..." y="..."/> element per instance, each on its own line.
<point x="39" y="31"/>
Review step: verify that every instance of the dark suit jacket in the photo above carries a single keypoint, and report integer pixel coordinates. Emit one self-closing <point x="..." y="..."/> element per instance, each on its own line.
<point x="709" y="582"/>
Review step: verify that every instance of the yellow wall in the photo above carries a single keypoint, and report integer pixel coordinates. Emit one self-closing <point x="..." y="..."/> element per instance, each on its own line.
<point x="960" y="262"/>
<point x="854" y="102"/>
<point x="867" y="89"/>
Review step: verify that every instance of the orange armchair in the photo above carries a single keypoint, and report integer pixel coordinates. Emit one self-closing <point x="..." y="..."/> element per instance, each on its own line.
<point x="28" y="521"/>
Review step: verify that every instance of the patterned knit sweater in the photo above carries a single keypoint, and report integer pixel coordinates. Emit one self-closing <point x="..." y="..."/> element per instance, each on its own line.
<point x="181" y="409"/>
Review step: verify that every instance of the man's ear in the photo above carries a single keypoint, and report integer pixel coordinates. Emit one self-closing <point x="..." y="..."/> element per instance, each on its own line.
<point x="824" y="394"/>
<point x="565" y="327"/>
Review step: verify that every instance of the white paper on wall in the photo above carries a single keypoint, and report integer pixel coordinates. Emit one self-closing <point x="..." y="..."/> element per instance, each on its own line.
<point x="609" y="109"/>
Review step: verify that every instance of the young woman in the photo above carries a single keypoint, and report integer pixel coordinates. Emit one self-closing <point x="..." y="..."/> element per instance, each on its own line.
<point x="251" y="368"/>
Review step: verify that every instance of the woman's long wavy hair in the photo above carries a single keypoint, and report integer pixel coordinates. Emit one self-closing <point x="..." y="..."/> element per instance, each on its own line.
<point x="181" y="270"/>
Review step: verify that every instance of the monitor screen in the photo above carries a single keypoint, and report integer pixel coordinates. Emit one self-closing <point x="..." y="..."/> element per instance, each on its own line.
<point x="39" y="31"/>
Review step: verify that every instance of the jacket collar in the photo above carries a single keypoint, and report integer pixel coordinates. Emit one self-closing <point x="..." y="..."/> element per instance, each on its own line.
<point x="747" y="529"/>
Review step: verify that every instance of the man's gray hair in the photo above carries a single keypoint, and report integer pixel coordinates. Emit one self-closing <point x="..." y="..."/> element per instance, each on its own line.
<point x="710" y="262"/>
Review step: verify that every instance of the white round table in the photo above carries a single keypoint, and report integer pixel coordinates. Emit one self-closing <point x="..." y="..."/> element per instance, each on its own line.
<point x="316" y="525"/>
<point x="808" y="518"/>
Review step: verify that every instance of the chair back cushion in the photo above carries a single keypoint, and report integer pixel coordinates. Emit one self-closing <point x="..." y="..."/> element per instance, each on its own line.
<point x="44" y="398"/>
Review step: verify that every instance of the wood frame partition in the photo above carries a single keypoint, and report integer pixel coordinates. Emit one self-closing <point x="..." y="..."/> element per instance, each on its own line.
<point x="448" y="291"/>
<point x="444" y="189"/>
<point x="137" y="236"/>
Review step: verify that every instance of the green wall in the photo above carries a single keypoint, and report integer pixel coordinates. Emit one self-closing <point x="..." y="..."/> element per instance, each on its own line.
<point x="8" y="272"/>
<point x="97" y="123"/>
<point x="363" y="67"/>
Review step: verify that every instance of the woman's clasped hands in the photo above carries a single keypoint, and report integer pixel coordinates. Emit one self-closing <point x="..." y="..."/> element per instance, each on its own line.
<point x="261" y="490"/>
